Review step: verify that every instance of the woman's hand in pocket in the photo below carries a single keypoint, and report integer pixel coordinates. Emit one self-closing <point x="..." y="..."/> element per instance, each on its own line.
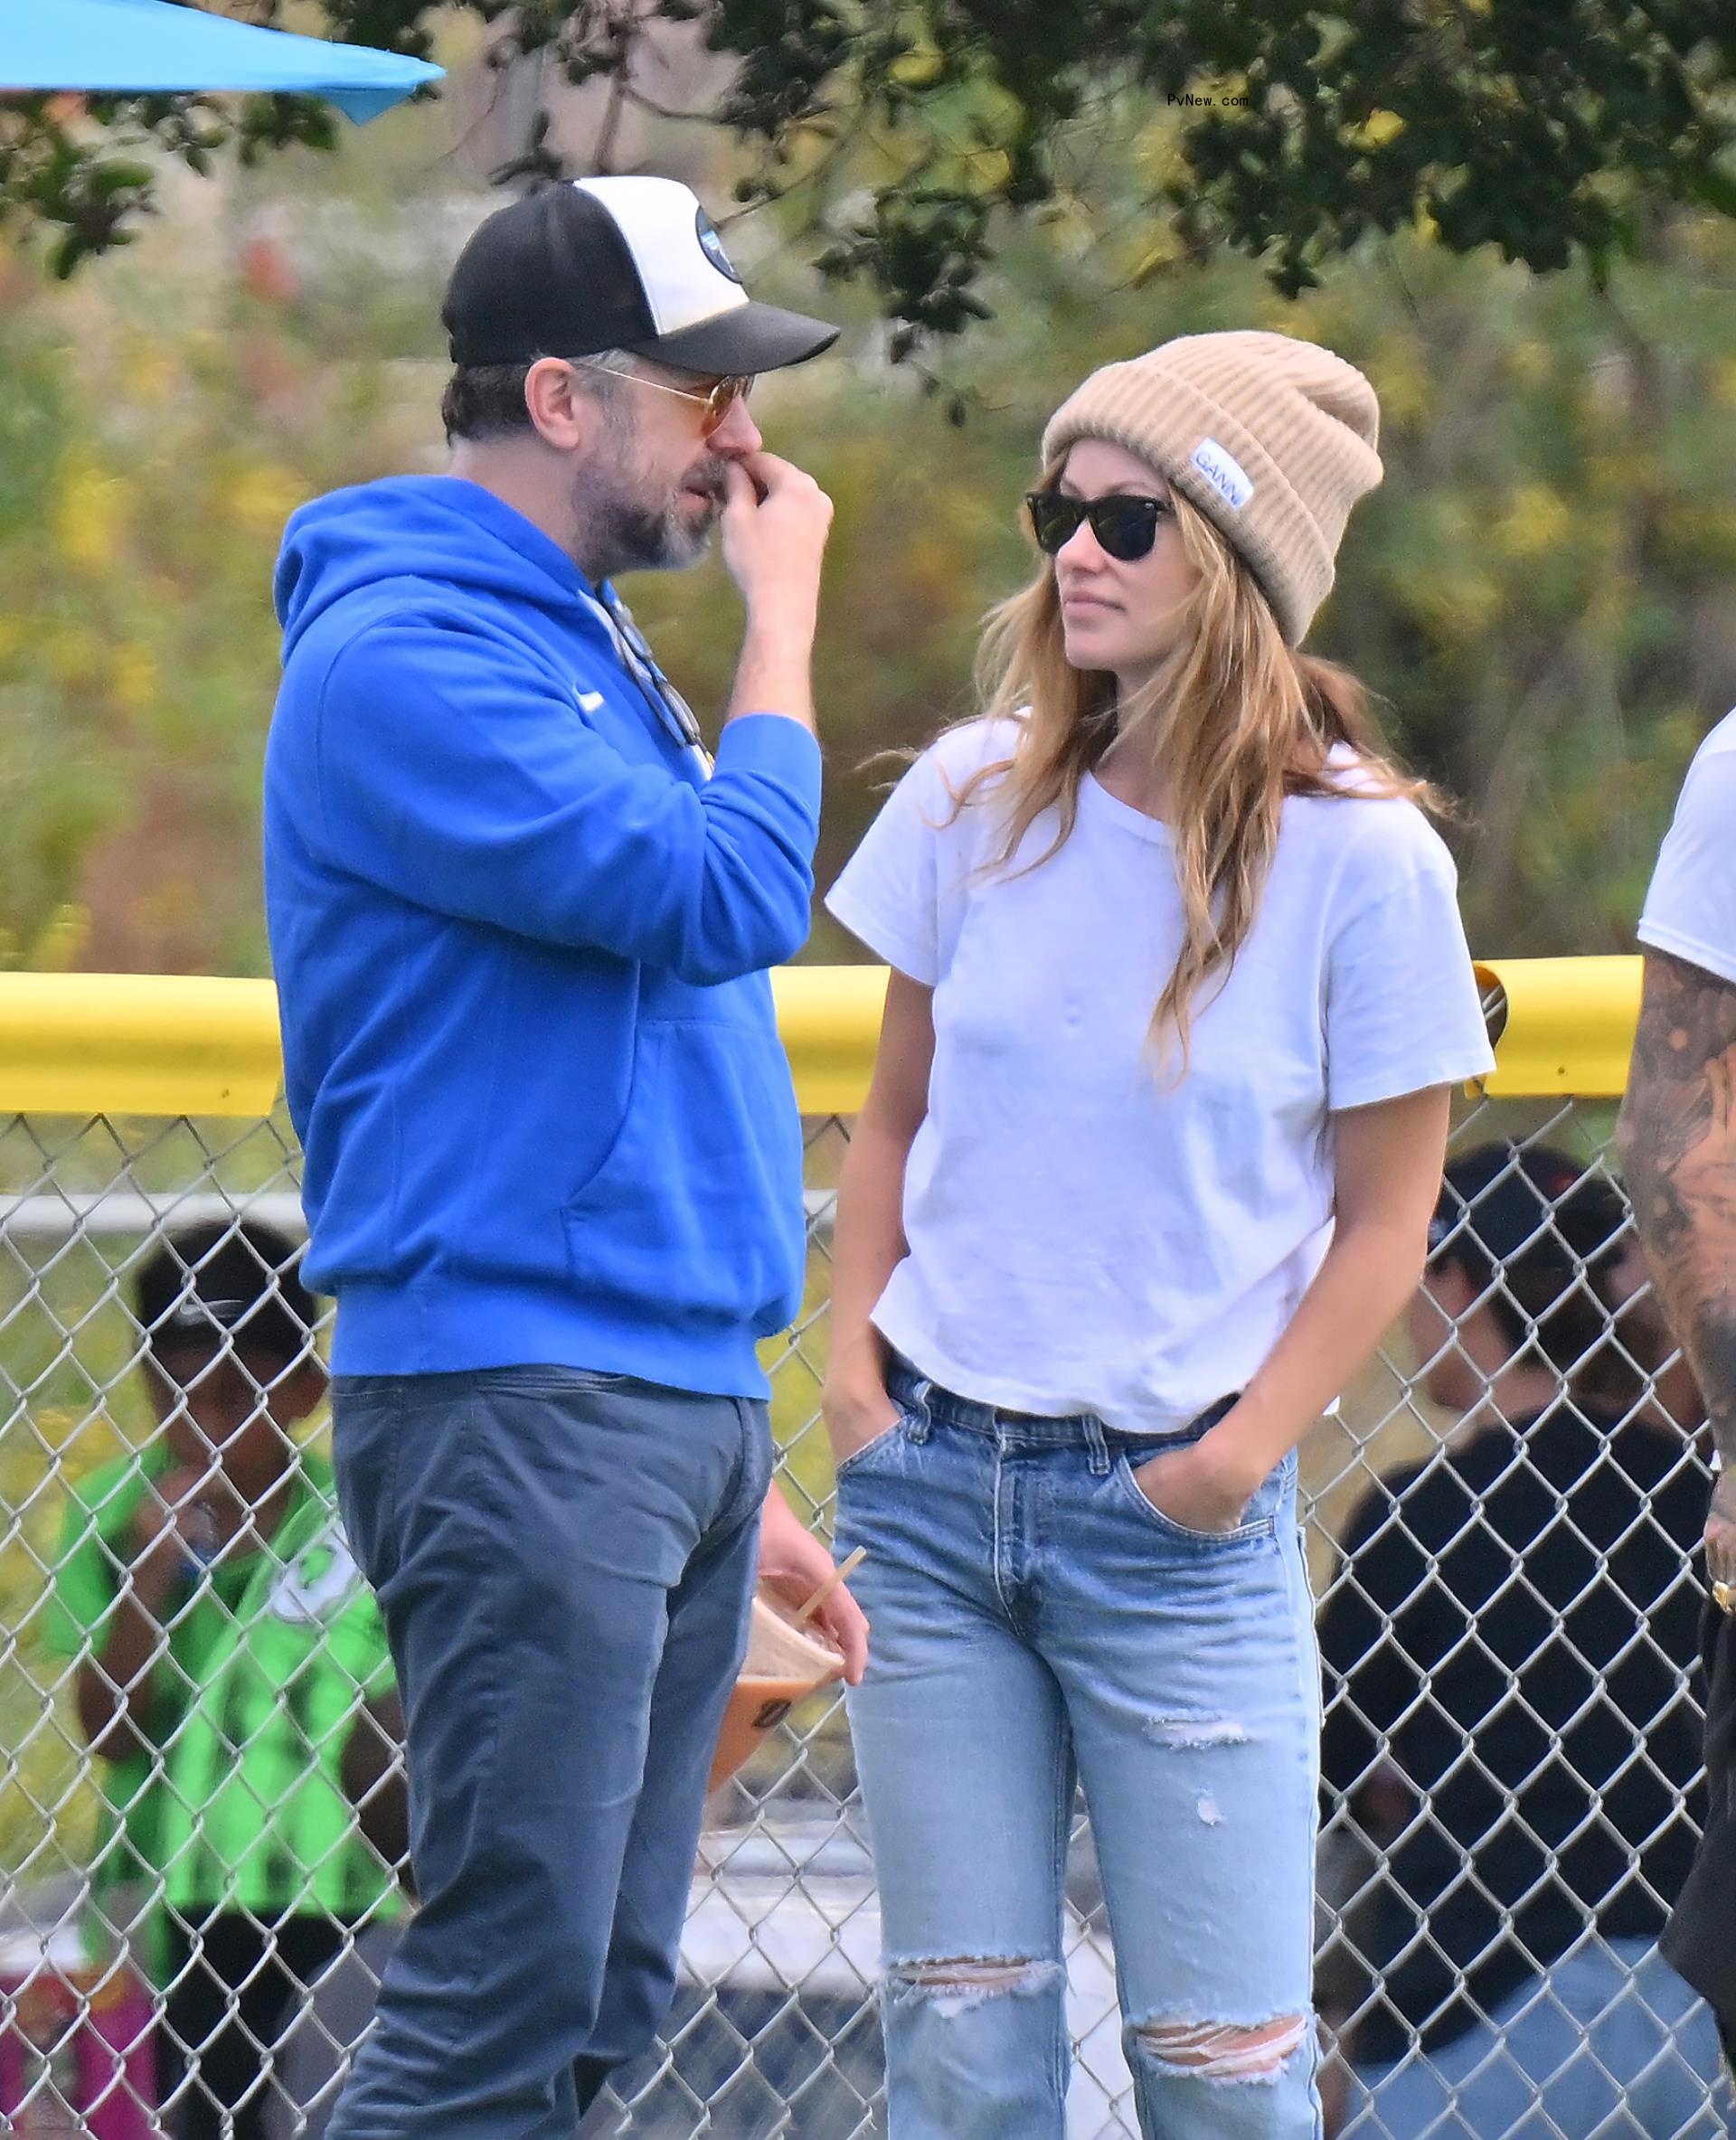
<point x="856" y="1411"/>
<point x="1204" y="1486"/>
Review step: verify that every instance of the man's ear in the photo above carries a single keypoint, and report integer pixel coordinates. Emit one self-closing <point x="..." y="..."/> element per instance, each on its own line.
<point x="564" y="414"/>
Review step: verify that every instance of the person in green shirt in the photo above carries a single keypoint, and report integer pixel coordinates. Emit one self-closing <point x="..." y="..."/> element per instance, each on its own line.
<point x="278" y="1844"/>
<point x="234" y="1677"/>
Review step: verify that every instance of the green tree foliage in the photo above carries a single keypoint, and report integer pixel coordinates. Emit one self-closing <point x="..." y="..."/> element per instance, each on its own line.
<point x="914" y="131"/>
<point x="155" y="433"/>
<point x="1540" y="588"/>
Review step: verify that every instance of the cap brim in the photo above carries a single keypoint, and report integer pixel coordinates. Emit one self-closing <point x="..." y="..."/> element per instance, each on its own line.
<point x="751" y="338"/>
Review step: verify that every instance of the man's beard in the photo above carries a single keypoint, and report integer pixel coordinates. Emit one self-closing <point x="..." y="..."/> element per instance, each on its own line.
<point x="627" y="526"/>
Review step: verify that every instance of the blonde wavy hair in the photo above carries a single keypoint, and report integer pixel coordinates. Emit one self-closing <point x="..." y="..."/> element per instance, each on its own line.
<point x="1235" y="718"/>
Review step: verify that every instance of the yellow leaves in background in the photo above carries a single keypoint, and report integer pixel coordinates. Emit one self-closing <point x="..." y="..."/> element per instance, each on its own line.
<point x="1449" y="586"/>
<point x="80" y="1441"/>
<point x="53" y="949"/>
<point x="1457" y="604"/>
<point x="1534" y="522"/>
<point x="260" y="498"/>
<point x="1155" y="151"/>
<point x="1402" y="378"/>
<point x="1528" y="362"/>
<point x="134" y="679"/>
<point x="56" y="947"/>
<point x="91" y="512"/>
<point x="1376" y="130"/>
<point x="1702" y="527"/>
<point x="920" y="66"/>
<point x="1484" y="561"/>
<point x="144" y="494"/>
<point x="43" y="1771"/>
<point x="152" y="373"/>
<point x="958" y="147"/>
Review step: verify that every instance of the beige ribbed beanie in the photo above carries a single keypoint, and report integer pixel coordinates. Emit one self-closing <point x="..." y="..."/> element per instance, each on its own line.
<point x="1271" y="437"/>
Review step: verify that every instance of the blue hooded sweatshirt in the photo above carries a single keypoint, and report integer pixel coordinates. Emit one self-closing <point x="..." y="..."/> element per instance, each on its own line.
<point x="521" y="945"/>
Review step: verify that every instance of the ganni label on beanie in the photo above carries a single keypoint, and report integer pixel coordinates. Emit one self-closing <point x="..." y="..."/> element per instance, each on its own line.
<point x="1224" y="473"/>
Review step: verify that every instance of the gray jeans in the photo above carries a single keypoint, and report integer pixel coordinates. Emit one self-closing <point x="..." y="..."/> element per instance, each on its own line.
<point x="565" y="1562"/>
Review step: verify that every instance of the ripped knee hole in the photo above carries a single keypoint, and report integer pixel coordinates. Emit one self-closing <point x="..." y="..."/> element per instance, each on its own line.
<point x="1220" y="2052"/>
<point x="970" y="1973"/>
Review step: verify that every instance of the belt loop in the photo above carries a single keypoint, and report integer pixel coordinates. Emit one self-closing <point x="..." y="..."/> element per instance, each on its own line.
<point x="922" y="1418"/>
<point x="1097" y="1442"/>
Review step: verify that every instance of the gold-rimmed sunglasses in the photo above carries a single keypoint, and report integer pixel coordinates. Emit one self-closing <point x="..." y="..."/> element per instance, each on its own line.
<point x="716" y="400"/>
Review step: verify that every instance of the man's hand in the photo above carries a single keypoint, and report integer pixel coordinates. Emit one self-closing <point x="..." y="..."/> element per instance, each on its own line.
<point x="793" y="1564"/>
<point x="1204" y="1486"/>
<point x="775" y="524"/>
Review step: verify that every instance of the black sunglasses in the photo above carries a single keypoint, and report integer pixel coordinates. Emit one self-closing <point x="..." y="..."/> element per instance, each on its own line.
<point x="1125" y="526"/>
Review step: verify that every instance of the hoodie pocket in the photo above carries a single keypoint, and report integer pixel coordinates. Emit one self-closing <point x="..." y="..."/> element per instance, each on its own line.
<point x="696" y="1212"/>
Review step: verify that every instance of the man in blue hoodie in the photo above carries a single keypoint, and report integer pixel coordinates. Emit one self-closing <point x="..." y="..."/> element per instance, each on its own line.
<point x="521" y="925"/>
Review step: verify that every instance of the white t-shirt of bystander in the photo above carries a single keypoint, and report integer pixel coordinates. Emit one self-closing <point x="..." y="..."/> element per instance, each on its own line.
<point x="1082" y="1237"/>
<point x="1691" y="907"/>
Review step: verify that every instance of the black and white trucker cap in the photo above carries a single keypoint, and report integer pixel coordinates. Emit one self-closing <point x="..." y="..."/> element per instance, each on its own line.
<point x="615" y="263"/>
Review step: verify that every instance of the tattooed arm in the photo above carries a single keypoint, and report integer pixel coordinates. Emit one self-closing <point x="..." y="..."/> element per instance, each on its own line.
<point x="1677" y="1139"/>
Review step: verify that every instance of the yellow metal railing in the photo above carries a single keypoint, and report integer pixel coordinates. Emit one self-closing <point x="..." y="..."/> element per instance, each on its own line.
<point x="148" y="1044"/>
<point x="1569" y="1025"/>
<point x="137" y="1044"/>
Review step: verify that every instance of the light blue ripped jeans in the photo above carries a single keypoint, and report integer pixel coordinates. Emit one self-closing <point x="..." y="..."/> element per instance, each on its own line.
<point x="1035" y="1621"/>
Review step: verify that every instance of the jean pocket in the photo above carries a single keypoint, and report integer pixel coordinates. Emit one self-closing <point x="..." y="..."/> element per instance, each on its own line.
<point x="882" y="1440"/>
<point x="552" y="1381"/>
<point x="1262" y="1524"/>
<point x="367" y="1442"/>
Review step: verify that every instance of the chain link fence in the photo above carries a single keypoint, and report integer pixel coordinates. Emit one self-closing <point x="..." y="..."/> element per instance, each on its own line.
<point x="774" y="2031"/>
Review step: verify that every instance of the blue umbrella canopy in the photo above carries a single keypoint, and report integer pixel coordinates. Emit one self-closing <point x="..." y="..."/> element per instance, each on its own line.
<point x="153" y="48"/>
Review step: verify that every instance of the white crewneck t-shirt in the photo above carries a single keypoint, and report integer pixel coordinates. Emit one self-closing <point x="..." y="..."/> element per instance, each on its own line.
<point x="1691" y="907"/>
<point x="1081" y="1239"/>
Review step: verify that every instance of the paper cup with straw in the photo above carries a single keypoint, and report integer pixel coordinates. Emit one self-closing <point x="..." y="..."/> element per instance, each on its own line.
<point x="785" y="1659"/>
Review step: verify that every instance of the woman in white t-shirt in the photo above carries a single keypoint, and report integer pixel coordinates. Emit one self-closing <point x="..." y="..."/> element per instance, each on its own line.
<point x="1179" y="991"/>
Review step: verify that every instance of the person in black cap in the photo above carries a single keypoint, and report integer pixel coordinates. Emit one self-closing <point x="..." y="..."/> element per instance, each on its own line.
<point x="521" y="923"/>
<point x="1507" y="1649"/>
<point x="156" y="1547"/>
